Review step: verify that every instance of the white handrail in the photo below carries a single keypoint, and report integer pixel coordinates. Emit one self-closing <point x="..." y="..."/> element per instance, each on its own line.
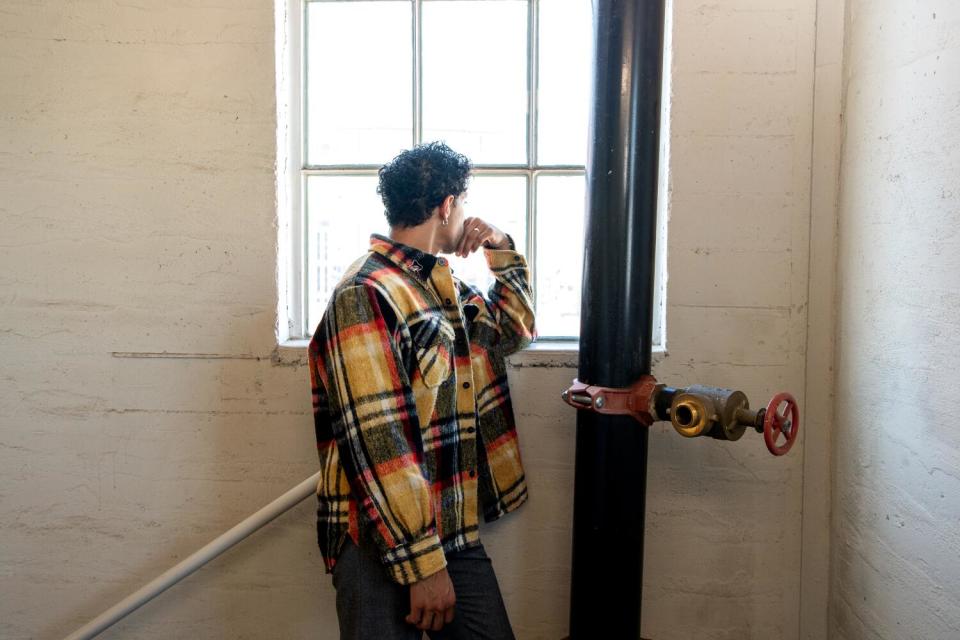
<point x="210" y="551"/>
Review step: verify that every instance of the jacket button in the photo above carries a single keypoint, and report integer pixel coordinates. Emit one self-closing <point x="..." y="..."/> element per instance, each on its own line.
<point x="470" y="429"/>
<point x="447" y="301"/>
<point x="473" y="473"/>
<point x="466" y="385"/>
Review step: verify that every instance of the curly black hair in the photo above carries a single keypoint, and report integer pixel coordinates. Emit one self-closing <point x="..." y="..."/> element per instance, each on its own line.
<point x="418" y="180"/>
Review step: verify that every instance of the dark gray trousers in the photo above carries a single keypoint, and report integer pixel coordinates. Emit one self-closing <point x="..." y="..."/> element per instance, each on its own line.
<point x="371" y="606"/>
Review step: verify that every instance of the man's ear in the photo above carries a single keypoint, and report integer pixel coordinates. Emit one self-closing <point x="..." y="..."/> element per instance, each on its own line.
<point x="447" y="205"/>
<point x="445" y="208"/>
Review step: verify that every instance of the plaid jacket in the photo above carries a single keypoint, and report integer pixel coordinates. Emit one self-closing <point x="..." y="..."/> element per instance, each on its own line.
<point x="412" y="412"/>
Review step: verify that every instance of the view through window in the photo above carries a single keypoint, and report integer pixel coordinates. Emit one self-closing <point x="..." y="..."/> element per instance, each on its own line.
<point x="505" y="82"/>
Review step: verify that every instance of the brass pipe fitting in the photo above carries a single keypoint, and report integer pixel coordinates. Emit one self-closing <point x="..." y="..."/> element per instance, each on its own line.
<point x="727" y="403"/>
<point x="691" y="414"/>
<point x="720" y="413"/>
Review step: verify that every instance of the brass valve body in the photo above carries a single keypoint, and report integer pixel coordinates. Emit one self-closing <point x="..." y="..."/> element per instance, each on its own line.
<point x="720" y="413"/>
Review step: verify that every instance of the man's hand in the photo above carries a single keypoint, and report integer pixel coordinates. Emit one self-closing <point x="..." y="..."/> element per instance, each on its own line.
<point x="476" y="232"/>
<point x="431" y="602"/>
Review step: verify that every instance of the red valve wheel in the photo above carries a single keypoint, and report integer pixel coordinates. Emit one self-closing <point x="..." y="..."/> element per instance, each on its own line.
<point x="776" y="423"/>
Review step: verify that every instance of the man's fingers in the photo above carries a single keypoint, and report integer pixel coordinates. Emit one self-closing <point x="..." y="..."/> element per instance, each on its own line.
<point x="414" y="616"/>
<point x="437" y="621"/>
<point x="474" y="237"/>
<point x="476" y="233"/>
<point x="471" y="236"/>
<point x="481" y="238"/>
<point x="462" y="243"/>
<point x="487" y="237"/>
<point x="467" y="242"/>
<point x="468" y="225"/>
<point x="432" y="620"/>
<point x="426" y="622"/>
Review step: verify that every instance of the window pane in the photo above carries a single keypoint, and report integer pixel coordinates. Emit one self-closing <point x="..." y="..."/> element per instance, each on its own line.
<point x="475" y="78"/>
<point x="564" y="81"/>
<point x="560" y="215"/>
<point x="501" y="201"/>
<point x="359" y="73"/>
<point x="342" y="212"/>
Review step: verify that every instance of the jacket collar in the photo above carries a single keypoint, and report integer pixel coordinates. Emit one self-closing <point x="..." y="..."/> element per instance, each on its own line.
<point x="410" y="259"/>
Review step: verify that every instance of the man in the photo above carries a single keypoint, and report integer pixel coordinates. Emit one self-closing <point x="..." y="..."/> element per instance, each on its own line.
<point x="414" y="424"/>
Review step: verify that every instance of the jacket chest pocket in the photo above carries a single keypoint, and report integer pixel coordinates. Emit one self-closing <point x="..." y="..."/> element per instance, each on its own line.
<point x="433" y="348"/>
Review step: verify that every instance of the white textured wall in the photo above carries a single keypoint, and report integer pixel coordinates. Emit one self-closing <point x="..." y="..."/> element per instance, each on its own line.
<point x="724" y="541"/>
<point x="896" y="528"/>
<point x="142" y="412"/>
<point x="137" y="215"/>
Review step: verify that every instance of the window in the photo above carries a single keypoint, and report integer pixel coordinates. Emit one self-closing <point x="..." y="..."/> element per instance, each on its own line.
<point x="505" y="82"/>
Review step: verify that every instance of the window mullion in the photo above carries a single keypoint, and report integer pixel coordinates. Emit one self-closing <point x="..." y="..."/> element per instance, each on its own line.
<point x="532" y="231"/>
<point x="533" y="53"/>
<point x="417" y="71"/>
<point x="302" y="231"/>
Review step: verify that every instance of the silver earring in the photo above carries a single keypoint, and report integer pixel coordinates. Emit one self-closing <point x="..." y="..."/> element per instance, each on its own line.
<point x="445" y="222"/>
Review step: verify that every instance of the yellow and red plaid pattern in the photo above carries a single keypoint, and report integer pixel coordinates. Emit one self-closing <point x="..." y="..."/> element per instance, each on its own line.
<point x="412" y="411"/>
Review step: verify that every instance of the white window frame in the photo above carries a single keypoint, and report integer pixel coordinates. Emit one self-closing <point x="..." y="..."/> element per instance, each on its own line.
<point x="292" y="171"/>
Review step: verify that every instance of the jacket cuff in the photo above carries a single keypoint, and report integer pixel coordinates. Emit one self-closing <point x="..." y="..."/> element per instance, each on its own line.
<point x="500" y="259"/>
<point x="412" y="562"/>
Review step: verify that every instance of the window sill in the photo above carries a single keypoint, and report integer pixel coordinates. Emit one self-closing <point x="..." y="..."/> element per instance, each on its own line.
<point x="542" y="353"/>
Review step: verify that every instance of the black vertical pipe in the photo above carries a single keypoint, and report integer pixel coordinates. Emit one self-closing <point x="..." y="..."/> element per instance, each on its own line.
<point x="616" y="316"/>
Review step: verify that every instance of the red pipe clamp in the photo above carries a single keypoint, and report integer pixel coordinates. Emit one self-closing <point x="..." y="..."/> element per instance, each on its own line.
<point x="637" y="400"/>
